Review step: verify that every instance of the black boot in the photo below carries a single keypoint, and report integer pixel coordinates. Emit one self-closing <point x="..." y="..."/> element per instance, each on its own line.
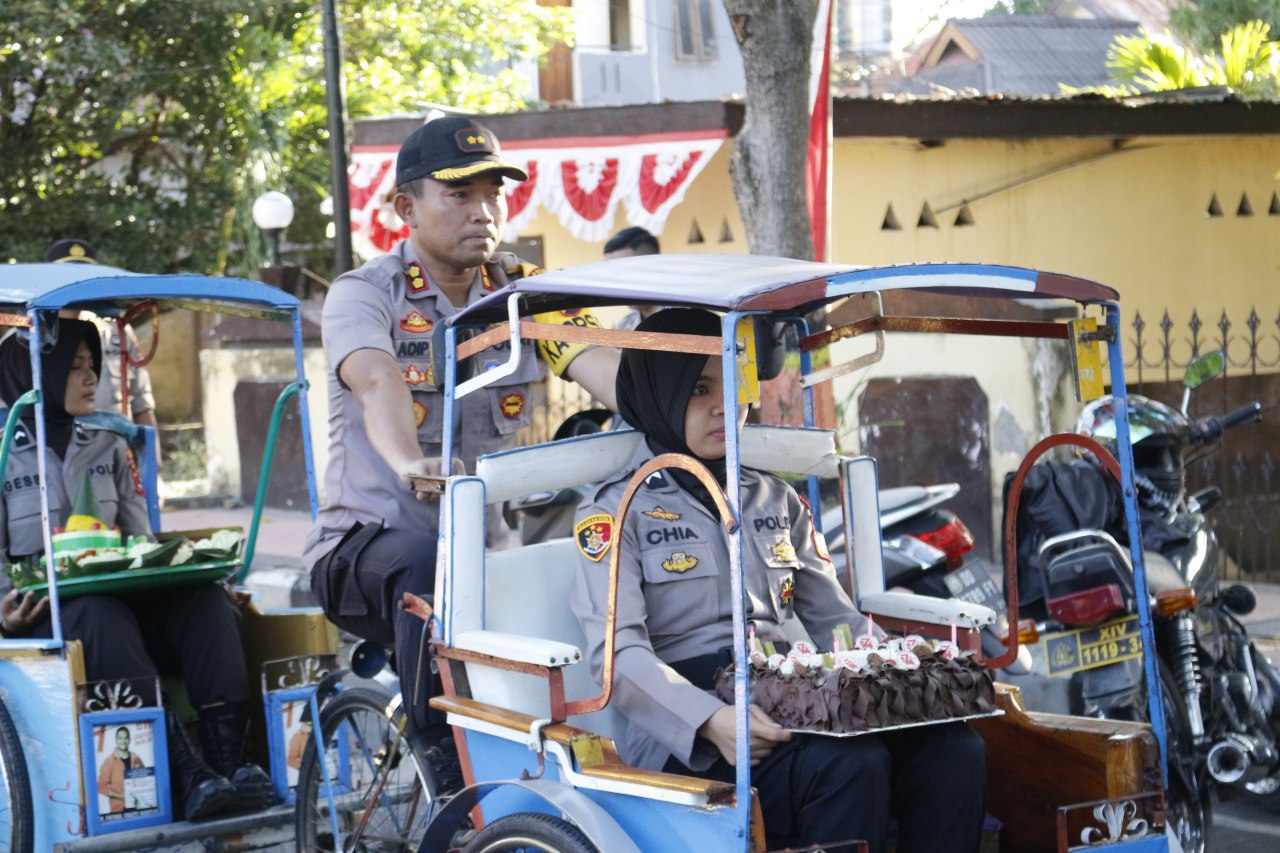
<point x="224" y="728"/>
<point x="202" y="792"/>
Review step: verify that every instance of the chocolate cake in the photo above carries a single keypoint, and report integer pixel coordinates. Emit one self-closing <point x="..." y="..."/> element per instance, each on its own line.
<point x="860" y="690"/>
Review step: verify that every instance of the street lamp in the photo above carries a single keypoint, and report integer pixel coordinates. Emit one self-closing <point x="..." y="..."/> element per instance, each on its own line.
<point x="272" y="212"/>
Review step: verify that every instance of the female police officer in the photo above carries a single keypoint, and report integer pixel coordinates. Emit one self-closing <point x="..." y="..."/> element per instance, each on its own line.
<point x="191" y="629"/>
<point x="675" y="626"/>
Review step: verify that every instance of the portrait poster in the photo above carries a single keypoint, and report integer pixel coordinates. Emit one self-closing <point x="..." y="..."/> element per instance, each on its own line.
<point x="125" y="763"/>
<point x="289" y="731"/>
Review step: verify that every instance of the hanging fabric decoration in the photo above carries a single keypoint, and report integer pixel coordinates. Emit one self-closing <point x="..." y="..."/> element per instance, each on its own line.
<point x="581" y="181"/>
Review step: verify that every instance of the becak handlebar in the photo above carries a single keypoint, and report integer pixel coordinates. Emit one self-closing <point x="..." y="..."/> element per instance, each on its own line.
<point x="1211" y="429"/>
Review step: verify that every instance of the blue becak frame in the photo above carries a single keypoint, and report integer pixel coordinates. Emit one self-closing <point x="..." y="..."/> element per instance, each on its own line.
<point x="96" y="823"/>
<point x="278" y="743"/>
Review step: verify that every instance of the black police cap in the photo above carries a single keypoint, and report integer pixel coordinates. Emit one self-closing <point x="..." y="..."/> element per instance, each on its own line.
<point x="71" y="251"/>
<point x="452" y="149"/>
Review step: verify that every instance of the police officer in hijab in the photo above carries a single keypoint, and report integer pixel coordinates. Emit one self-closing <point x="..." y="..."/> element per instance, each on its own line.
<point x="675" y="628"/>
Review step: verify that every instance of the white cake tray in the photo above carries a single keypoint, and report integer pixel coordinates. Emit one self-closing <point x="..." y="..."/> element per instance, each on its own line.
<point x="884" y="729"/>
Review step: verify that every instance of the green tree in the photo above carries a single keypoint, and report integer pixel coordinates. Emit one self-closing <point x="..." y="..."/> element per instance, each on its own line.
<point x="1248" y="64"/>
<point x="1203" y="22"/>
<point x="148" y="126"/>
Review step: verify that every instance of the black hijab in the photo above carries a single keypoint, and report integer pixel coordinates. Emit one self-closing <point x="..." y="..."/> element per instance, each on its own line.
<point x="55" y="362"/>
<point x="654" y="387"/>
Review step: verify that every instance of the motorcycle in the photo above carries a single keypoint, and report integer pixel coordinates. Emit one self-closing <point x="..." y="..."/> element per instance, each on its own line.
<point x="1221" y="696"/>
<point x="921" y="540"/>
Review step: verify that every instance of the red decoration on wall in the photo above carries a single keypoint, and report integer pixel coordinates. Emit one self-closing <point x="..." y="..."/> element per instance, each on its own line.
<point x="360" y="195"/>
<point x="519" y="195"/>
<point x="589" y="205"/>
<point x="383" y="237"/>
<point x="652" y="193"/>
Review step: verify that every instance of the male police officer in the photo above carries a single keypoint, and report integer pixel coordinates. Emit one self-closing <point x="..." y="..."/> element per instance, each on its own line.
<point x="374" y="539"/>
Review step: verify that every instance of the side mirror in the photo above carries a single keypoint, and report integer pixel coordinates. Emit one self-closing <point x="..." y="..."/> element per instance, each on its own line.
<point x="1204" y="368"/>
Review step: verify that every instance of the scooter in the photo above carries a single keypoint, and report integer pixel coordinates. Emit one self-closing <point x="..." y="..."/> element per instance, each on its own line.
<point x="1221" y="696"/>
<point x="922" y="541"/>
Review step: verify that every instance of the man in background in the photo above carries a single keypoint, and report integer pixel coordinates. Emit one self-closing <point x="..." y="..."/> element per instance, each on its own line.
<point x="627" y="242"/>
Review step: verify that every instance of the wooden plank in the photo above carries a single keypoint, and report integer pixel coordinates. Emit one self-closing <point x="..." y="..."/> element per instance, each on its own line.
<point x="1039" y="762"/>
<point x="612" y="769"/>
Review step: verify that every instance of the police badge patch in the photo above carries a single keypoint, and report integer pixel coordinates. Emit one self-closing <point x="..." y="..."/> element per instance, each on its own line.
<point x="594" y="535"/>
<point x="512" y="405"/>
<point x="416" y="323"/>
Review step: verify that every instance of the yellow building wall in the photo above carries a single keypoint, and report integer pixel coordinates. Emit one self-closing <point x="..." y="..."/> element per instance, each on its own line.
<point x="1132" y="215"/>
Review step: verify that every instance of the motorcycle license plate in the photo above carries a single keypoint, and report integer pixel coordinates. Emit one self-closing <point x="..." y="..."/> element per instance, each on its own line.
<point x="1090" y="648"/>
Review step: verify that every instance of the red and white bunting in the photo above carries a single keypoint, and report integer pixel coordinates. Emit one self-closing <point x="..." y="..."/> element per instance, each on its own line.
<point x="581" y="184"/>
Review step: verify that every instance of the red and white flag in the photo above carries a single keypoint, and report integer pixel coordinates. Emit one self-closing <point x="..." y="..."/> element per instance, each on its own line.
<point x="818" y="169"/>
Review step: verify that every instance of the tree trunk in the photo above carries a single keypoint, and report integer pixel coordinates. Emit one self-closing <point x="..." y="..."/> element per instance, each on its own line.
<point x="768" y="163"/>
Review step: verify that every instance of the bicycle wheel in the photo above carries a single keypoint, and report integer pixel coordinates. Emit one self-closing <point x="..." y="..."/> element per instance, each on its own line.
<point x="16" y="820"/>
<point x="380" y="783"/>
<point x="530" y="831"/>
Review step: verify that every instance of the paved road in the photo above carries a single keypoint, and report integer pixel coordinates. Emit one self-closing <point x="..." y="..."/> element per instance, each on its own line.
<point x="1241" y="827"/>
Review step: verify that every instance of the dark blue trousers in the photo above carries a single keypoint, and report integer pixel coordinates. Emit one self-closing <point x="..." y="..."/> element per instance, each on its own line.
<point x="360" y="585"/>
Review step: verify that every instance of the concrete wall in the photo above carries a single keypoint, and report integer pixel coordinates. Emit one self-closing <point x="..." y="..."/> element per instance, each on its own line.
<point x="220" y="370"/>
<point x="1132" y="216"/>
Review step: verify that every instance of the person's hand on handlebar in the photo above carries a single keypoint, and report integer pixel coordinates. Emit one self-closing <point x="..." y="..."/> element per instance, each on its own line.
<point x="423" y="476"/>
<point x="20" y="611"/>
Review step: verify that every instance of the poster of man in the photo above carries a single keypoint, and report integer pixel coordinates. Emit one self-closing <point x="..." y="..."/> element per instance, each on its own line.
<point x="125" y="760"/>
<point x="296" y="720"/>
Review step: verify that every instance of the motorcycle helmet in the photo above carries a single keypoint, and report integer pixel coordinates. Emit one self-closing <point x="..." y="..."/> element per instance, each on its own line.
<point x="1158" y="434"/>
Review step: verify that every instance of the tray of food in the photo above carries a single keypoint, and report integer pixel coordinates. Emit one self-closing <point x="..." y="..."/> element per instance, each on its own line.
<point x="177" y="558"/>
<point x="869" y="684"/>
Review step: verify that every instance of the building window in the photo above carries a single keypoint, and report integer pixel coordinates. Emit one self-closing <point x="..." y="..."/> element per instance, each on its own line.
<point x="620" y="24"/>
<point x="695" y="31"/>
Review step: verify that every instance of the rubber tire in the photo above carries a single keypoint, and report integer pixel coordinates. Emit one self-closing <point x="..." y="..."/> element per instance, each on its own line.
<point x="530" y="831"/>
<point x="17" y="785"/>
<point x="341" y="708"/>
<point x="1188" y="793"/>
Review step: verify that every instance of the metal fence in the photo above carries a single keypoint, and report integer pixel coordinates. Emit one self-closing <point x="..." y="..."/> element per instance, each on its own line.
<point x="1244" y="465"/>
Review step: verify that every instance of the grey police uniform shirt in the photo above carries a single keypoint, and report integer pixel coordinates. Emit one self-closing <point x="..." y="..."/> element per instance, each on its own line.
<point x="108" y="397"/>
<point x="675" y="601"/>
<point x="100" y="452"/>
<point x="390" y="305"/>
